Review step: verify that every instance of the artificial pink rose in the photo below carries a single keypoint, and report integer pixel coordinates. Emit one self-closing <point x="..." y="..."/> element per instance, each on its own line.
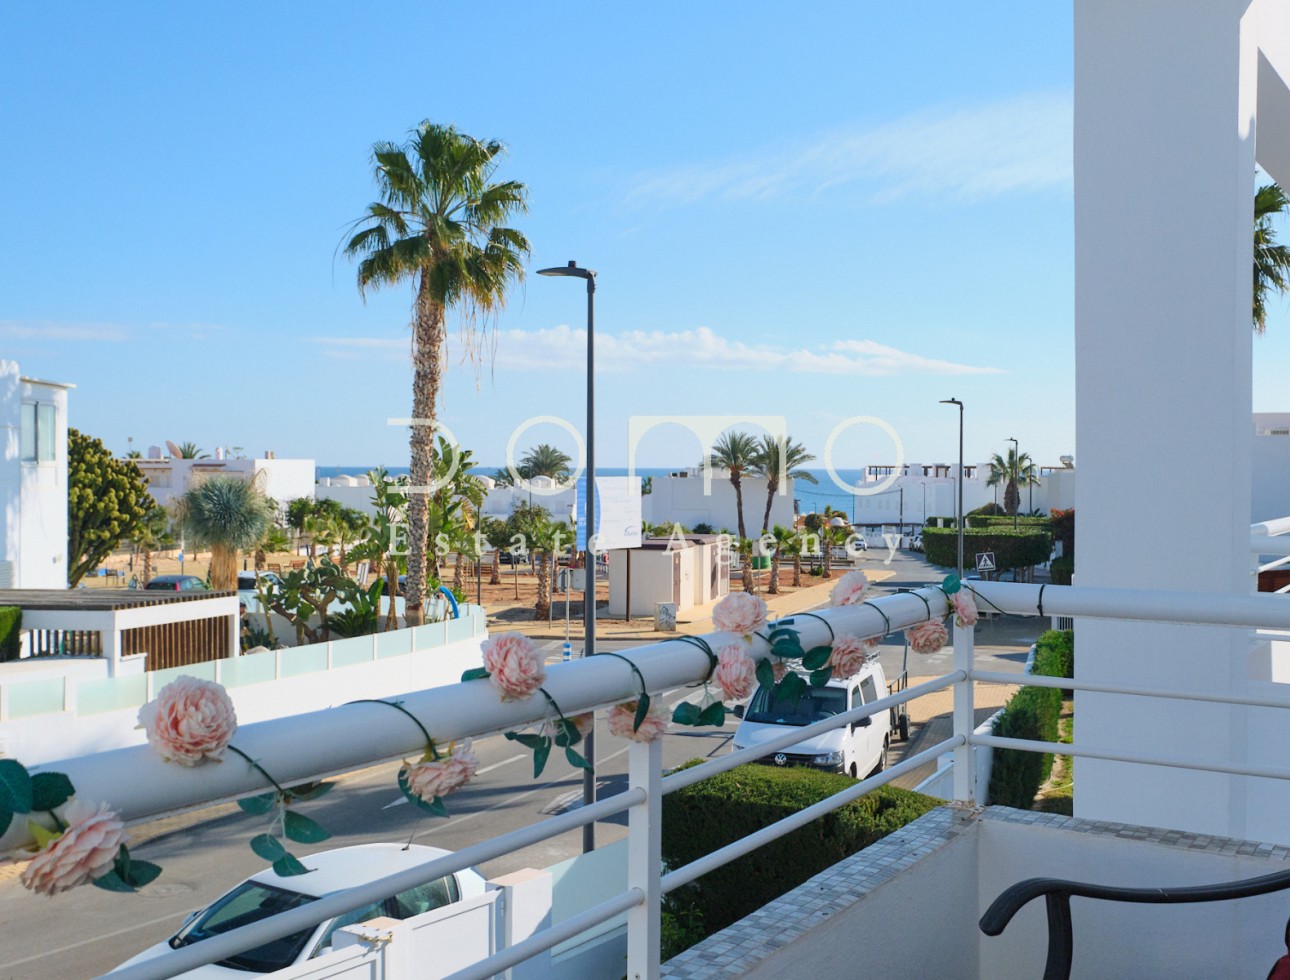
<point x="439" y="777"/>
<point x="514" y="665"/>
<point x="965" y="611"/>
<point x="584" y="722"/>
<point x="850" y="589"/>
<point x="780" y="669"/>
<point x="189" y="720"/>
<point x="927" y="637"/>
<point x="736" y="673"/>
<point x="622" y="717"/>
<point x="85" y="850"/>
<point x="849" y="654"/>
<point x="740" y="612"/>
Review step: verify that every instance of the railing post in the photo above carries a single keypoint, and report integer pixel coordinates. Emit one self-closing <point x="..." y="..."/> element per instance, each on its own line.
<point x="964" y="716"/>
<point x="645" y="858"/>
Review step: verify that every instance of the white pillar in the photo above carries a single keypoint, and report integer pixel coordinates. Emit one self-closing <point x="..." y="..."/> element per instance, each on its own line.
<point x="964" y="716"/>
<point x="645" y="859"/>
<point x="1164" y="182"/>
<point x="527" y="897"/>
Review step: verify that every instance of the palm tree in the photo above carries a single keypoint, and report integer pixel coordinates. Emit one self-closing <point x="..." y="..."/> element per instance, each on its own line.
<point x="1271" y="260"/>
<point x="1014" y="472"/>
<point x="224" y="514"/>
<point x="785" y="540"/>
<point x="544" y="460"/>
<point x="440" y="222"/>
<point x="777" y="454"/>
<point x="498" y="536"/>
<point x="746" y="548"/>
<point x="190" y="450"/>
<point x="737" y="453"/>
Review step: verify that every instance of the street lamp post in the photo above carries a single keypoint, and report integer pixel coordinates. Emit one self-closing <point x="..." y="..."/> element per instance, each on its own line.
<point x="589" y="572"/>
<point x="958" y="513"/>
<point x="1016" y="470"/>
<point x="923" y="484"/>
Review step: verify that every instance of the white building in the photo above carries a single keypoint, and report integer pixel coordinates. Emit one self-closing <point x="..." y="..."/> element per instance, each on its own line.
<point x="688" y="572"/>
<point x="169" y="477"/>
<point x="33" y="481"/>
<point x="682" y="498"/>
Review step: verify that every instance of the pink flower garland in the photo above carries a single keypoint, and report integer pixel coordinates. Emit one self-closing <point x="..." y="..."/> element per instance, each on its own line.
<point x="965" y="611"/>
<point x="740" y="612"/>
<point x="736" y="674"/>
<point x="84" y="851"/>
<point x="514" y="665"/>
<point x="189" y="720"/>
<point x="439" y="777"/>
<point x="850" y="589"/>
<point x="927" y="637"/>
<point x="850" y="653"/>
<point x="622" y="717"/>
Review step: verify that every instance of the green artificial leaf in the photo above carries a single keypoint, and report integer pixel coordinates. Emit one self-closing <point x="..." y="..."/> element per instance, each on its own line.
<point x="268" y="847"/>
<point x="528" y="741"/>
<point x="310" y="791"/>
<point x="111" y="882"/>
<point x="765" y="672"/>
<point x="50" y="789"/>
<point x="821" y="677"/>
<point x="258" y="804"/>
<point x="791" y="688"/>
<point x="143" y="873"/>
<point x="566" y="733"/>
<point x="540" y="755"/>
<point x="434" y="807"/>
<point x="816" y="657"/>
<point x="302" y="829"/>
<point x="575" y="760"/>
<point x="686" y="713"/>
<point x="951" y="584"/>
<point x="789" y="649"/>
<point x="6" y="818"/>
<point x="475" y="674"/>
<point x="287" y="867"/>
<point x="714" y="714"/>
<point x="781" y="633"/>
<point x="15" y="786"/>
<point x="642" y="709"/>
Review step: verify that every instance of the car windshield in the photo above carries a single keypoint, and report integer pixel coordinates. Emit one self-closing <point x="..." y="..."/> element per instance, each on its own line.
<point x="250" y="902"/>
<point x="815" y="704"/>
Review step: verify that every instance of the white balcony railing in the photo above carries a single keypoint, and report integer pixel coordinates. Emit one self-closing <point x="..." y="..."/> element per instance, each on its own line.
<point x="308" y="746"/>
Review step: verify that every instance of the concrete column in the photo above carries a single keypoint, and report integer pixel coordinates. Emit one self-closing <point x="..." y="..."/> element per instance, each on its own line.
<point x="1164" y="182"/>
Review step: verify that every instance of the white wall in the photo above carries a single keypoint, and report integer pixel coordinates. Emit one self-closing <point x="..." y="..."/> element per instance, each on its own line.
<point x="33" y="496"/>
<point x="682" y="500"/>
<point x="282" y="479"/>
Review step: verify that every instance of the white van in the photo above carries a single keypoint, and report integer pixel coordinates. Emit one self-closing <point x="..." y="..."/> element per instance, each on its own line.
<point x="858" y="749"/>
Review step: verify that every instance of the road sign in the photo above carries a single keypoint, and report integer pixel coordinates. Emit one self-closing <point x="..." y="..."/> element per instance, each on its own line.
<point x="985" y="561"/>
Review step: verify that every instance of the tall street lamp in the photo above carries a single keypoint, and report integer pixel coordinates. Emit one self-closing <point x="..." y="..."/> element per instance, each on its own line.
<point x="923" y="484"/>
<point x="589" y="576"/>
<point x="958" y="513"/>
<point x="1016" y="475"/>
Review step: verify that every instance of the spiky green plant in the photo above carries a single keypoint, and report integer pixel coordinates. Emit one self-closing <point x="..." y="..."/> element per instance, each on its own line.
<point x="225" y="514"/>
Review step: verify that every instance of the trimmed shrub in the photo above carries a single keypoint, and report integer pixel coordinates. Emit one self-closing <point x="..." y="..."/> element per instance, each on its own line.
<point x="10" y="625"/>
<point x="993" y="520"/>
<point x="1032" y="713"/>
<point x="1012" y="549"/>
<point x="1061" y="571"/>
<point x="709" y="815"/>
<point x="985" y="510"/>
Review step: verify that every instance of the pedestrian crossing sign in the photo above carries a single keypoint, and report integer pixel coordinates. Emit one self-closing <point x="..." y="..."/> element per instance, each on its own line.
<point x="985" y="561"/>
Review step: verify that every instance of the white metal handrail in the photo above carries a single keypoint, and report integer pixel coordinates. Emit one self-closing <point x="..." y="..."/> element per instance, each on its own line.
<point x="1071" y="684"/>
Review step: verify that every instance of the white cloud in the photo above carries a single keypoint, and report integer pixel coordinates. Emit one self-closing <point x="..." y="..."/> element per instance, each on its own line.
<point x="49" y="330"/>
<point x="968" y="153"/>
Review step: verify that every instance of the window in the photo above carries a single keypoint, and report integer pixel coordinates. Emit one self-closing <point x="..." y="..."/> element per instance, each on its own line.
<point x="870" y="689"/>
<point x="38" y="430"/>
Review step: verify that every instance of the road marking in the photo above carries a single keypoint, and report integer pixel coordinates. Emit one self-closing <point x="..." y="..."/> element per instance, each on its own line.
<point x="504" y="762"/>
<point x="96" y="939"/>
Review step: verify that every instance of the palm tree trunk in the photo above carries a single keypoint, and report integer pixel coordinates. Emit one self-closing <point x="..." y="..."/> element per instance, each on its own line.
<point x="739" y="502"/>
<point x="427" y="373"/>
<point x="797" y="570"/>
<point x="392" y="588"/>
<point x="772" y="484"/>
<point x="495" y="576"/>
<point x="543" y="604"/>
<point x="827" y="545"/>
<point x="223" y="568"/>
<point x="147" y="565"/>
<point x="773" y="589"/>
<point x="456" y="574"/>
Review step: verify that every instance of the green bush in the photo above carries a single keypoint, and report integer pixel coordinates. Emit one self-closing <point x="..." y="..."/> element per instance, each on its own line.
<point x="994" y="520"/>
<point x="1032" y="713"/>
<point x="718" y="811"/>
<point x="985" y="510"/>
<point x="1061" y="571"/>
<point x="10" y="625"/>
<point x="1012" y="549"/>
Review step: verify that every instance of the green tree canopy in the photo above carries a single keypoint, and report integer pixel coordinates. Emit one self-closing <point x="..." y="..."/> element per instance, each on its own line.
<point x="107" y="502"/>
<point x="545" y="460"/>
<point x="1271" y="259"/>
<point x="225" y="514"/>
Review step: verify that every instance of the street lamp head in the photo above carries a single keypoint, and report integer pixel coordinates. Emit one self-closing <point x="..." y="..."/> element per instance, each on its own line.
<point x="572" y="269"/>
<point x="952" y="401"/>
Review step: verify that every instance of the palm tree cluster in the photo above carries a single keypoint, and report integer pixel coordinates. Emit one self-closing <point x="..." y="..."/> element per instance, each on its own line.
<point x="1013" y="472"/>
<point x="1271" y="259"/>
<point x="741" y="454"/>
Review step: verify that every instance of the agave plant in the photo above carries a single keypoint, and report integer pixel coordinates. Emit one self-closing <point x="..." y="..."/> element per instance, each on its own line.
<point x="225" y="514"/>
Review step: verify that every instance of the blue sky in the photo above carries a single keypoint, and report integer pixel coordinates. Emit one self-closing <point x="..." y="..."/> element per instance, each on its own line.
<point x="856" y="212"/>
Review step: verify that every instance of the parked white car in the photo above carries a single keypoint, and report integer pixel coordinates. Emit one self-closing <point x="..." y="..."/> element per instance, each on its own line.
<point x="858" y="749"/>
<point x="266" y="894"/>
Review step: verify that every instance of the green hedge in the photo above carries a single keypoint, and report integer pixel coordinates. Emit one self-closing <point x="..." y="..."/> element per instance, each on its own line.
<point x="718" y="811"/>
<point x="1061" y="571"/>
<point x="1032" y="713"/>
<point x="10" y="625"/>
<point x="993" y="520"/>
<point x="1012" y="549"/>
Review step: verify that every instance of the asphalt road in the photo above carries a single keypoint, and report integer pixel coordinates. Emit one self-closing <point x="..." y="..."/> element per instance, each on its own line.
<point x="87" y="931"/>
